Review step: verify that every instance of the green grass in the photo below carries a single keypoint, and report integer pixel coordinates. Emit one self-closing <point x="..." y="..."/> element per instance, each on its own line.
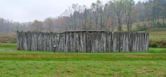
<point x="157" y="50"/>
<point x="82" y="68"/>
<point x="14" y="63"/>
<point x="82" y="57"/>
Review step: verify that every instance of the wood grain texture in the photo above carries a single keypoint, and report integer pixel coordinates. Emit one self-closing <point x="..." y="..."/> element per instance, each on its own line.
<point x="84" y="41"/>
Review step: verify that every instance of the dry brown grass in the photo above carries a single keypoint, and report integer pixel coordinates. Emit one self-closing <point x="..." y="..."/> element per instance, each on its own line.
<point x="158" y="35"/>
<point x="7" y="37"/>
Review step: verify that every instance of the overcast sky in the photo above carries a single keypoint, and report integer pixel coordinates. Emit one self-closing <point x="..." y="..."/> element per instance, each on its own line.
<point x="29" y="10"/>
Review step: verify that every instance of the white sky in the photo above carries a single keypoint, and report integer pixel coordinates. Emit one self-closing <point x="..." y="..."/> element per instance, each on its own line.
<point x="29" y="10"/>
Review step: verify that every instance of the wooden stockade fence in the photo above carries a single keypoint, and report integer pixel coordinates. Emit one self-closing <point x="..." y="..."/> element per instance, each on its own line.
<point x="83" y="41"/>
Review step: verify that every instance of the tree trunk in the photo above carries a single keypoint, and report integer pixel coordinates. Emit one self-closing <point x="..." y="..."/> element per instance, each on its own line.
<point x="119" y="24"/>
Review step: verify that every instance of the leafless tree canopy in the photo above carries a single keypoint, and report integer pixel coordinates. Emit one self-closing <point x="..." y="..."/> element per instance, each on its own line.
<point x="115" y="15"/>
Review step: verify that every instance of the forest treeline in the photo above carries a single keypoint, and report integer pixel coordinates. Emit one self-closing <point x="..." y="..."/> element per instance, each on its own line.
<point x="115" y="15"/>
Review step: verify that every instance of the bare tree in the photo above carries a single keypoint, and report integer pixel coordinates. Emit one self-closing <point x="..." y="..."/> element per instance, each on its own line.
<point x="118" y="9"/>
<point x="128" y="12"/>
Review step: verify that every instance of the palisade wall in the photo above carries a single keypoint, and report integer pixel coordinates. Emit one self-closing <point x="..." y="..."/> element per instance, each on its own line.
<point x="83" y="41"/>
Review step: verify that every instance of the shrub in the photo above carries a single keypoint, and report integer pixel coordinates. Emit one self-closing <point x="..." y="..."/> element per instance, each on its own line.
<point x="158" y="44"/>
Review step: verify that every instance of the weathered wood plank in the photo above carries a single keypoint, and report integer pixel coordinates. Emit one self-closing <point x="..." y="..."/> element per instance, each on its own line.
<point x="83" y="41"/>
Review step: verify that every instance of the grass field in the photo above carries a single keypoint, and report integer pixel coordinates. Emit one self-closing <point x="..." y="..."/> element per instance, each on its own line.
<point x="7" y="37"/>
<point x="158" y="35"/>
<point x="121" y="68"/>
<point x="15" y="63"/>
